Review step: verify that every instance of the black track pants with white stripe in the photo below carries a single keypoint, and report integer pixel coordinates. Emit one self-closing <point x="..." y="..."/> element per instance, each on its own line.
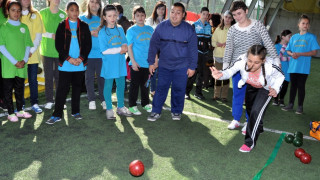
<point x="257" y="100"/>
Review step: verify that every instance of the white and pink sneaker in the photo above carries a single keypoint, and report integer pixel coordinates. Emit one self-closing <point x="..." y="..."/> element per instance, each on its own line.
<point x="244" y="148"/>
<point x="23" y="114"/>
<point x="233" y="125"/>
<point x="13" y="118"/>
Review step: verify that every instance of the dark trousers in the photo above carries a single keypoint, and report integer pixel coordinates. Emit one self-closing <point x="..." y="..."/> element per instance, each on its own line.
<point x="75" y="79"/>
<point x="283" y="90"/>
<point x="198" y="76"/>
<point x="51" y="74"/>
<point x="93" y="70"/>
<point x="33" y="83"/>
<point x="17" y="84"/>
<point x="139" y="80"/>
<point x="1" y="84"/>
<point x="298" y="83"/>
<point x="257" y="100"/>
<point x="178" y="80"/>
<point x="153" y="81"/>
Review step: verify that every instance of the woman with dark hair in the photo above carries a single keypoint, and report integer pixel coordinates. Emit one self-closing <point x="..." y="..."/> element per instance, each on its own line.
<point x="158" y="15"/>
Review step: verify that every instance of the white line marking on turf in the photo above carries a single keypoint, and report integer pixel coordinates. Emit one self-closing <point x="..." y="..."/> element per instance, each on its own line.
<point x="192" y="114"/>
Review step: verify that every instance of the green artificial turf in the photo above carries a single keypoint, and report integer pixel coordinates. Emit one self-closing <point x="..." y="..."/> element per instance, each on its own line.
<point x="193" y="148"/>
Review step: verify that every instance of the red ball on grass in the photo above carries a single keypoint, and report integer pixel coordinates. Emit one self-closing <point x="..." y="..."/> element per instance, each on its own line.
<point x="136" y="168"/>
<point x="305" y="158"/>
<point x="299" y="152"/>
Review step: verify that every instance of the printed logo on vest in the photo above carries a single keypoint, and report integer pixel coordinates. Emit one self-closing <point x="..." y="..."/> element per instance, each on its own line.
<point x="22" y="30"/>
<point x="61" y="15"/>
<point x="33" y="16"/>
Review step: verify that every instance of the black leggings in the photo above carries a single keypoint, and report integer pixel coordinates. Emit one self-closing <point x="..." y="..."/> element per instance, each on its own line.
<point x="298" y="83"/>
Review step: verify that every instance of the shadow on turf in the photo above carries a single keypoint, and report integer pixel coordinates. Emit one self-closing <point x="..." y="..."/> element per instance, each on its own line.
<point x="194" y="151"/>
<point x="82" y="150"/>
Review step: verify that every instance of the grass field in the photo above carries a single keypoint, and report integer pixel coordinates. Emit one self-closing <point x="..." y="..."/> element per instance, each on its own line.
<point x="197" y="147"/>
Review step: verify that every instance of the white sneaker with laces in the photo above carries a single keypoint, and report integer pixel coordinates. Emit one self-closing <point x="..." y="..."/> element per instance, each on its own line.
<point x="124" y="111"/>
<point x="48" y="105"/>
<point x="110" y="114"/>
<point x="104" y="106"/>
<point x="234" y="124"/>
<point x="92" y="105"/>
<point x="244" y="129"/>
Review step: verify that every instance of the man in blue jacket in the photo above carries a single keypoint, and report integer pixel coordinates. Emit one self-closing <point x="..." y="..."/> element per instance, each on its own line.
<point x="176" y="41"/>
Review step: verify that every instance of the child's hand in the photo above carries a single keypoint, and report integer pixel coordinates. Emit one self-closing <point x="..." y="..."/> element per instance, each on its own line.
<point x="18" y="64"/>
<point x="295" y="55"/>
<point x="151" y="69"/>
<point x="79" y="61"/>
<point x="135" y="66"/>
<point x="124" y="49"/>
<point x="272" y="92"/>
<point x="215" y="73"/>
<point x="190" y="73"/>
<point x="30" y="54"/>
<point x="94" y="33"/>
<point x="54" y="36"/>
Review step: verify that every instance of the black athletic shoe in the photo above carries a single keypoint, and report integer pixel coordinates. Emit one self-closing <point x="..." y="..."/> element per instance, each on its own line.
<point x="199" y="96"/>
<point x="288" y="108"/>
<point x="176" y="116"/>
<point x="77" y="116"/>
<point x="299" y="110"/>
<point x="154" y="116"/>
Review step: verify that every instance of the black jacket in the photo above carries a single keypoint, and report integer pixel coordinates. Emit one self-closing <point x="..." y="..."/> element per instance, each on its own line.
<point x="63" y="40"/>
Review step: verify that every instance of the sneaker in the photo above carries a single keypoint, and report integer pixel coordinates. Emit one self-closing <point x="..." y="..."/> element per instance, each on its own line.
<point x="153" y="116"/>
<point x="275" y="102"/>
<point x="123" y="112"/>
<point x="13" y="118"/>
<point x="199" y="96"/>
<point x="134" y="110"/>
<point x="110" y="114"/>
<point x="77" y="116"/>
<point x="176" y="116"/>
<point x="234" y="124"/>
<point x="288" y="108"/>
<point x="92" y="105"/>
<point x="281" y="103"/>
<point x="64" y="106"/>
<point x="187" y="96"/>
<point x="148" y="108"/>
<point x="244" y="148"/>
<point x="104" y="106"/>
<point x="244" y="129"/>
<point x="299" y="110"/>
<point x="23" y="114"/>
<point x="53" y="120"/>
<point x="15" y="110"/>
<point x="48" y="105"/>
<point x="36" y="109"/>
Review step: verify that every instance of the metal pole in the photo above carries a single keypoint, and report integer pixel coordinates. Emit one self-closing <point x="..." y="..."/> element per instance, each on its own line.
<point x="265" y="10"/>
<point x="275" y="13"/>
<point x="226" y="6"/>
<point x="251" y="7"/>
